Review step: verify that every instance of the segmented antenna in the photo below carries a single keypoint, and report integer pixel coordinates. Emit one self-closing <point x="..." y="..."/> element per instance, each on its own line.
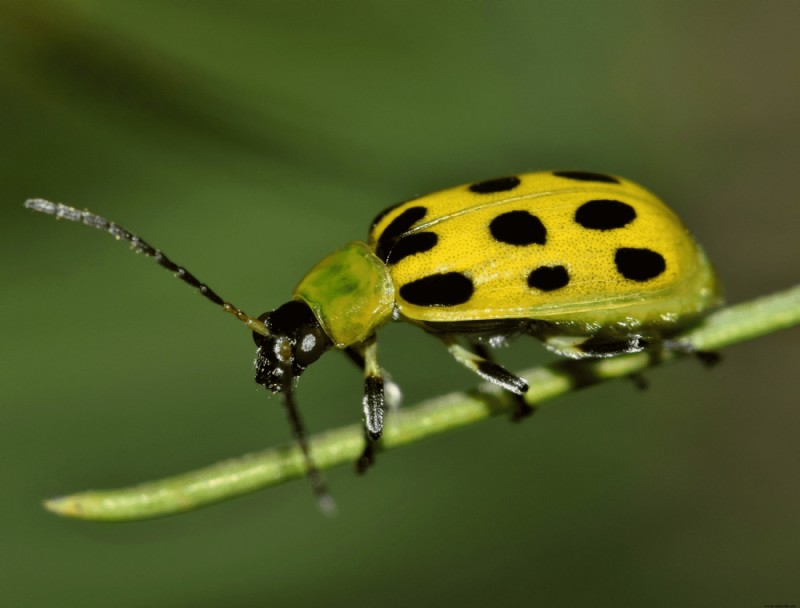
<point x="141" y="246"/>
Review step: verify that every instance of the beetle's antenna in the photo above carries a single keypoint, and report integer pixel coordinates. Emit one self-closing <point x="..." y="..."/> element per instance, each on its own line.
<point x="324" y="499"/>
<point x="141" y="246"/>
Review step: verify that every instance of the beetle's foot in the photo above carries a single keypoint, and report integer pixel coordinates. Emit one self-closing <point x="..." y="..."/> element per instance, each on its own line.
<point x="367" y="458"/>
<point x="639" y="380"/>
<point x="521" y="409"/>
<point x="709" y="358"/>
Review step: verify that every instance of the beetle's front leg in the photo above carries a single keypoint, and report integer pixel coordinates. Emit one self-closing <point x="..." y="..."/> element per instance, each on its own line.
<point x="391" y="391"/>
<point x="374" y="400"/>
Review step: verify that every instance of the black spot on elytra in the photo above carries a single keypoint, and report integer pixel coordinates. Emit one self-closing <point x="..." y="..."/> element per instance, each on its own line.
<point x="518" y="228"/>
<point x="501" y="184"/>
<point x="383" y="214"/>
<point x="397" y="227"/>
<point x="604" y="214"/>
<point x="639" y="264"/>
<point x="446" y="289"/>
<point x="418" y="242"/>
<point x="548" y="278"/>
<point x="587" y="176"/>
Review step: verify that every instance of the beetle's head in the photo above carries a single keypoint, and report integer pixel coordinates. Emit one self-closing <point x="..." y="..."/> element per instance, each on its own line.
<point x="295" y="340"/>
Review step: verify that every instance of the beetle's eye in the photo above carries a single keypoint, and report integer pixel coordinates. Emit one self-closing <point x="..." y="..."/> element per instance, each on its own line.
<point x="310" y="346"/>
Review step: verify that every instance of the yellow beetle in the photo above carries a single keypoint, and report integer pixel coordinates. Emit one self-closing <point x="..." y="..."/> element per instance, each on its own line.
<point x="592" y="264"/>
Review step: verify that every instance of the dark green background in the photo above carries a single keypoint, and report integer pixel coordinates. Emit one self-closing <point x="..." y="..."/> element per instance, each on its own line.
<point x="248" y="140"/>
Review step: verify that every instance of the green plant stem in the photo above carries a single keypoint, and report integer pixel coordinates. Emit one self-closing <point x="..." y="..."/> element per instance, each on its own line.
<point x="448" y="412"/>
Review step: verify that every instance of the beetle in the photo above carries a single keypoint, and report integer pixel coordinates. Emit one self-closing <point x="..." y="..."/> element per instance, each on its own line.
<point x="592" y="264"/>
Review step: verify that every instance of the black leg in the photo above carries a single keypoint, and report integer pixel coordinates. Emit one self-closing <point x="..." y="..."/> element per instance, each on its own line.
<point x="709" y="358"/>
<point x="393" y="396"/>
<point x="639" y="380"/>
<point x="355" y="356"/>
<point x="373" y="403"/>
<point x="480" y="361"/>
<point x="485" y="368"/>
<point x="318" y="485"/>
<point x="521" y="407"/>
<point x="367" y="457"/>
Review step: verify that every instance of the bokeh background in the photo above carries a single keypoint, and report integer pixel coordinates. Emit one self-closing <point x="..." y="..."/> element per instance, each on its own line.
<point x="249" y="139"/>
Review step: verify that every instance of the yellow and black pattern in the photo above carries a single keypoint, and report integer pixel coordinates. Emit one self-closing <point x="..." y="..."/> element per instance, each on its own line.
<point x="551" y="245"/>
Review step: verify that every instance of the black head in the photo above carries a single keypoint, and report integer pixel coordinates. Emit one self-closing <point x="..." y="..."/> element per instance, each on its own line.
<point x="295" y="341"/>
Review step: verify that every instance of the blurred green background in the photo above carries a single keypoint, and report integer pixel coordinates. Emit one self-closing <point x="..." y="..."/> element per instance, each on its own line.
<point x="249" y="139"/>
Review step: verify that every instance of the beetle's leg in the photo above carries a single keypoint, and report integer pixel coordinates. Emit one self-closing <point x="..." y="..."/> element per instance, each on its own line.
<point x="392" y="394"/>
<point x="480" y="362"/>
<point x="373" y="403"/>
<point x="639" y="380"/>
<point x="318" y="485"/>
<point x="709" y="358"/>
<point x="603" y="347"/>
<point x="485" y="368"/>
<point x="354" y="354"/>
<point x="706" y="357"/>
<point x="521" y="407"/>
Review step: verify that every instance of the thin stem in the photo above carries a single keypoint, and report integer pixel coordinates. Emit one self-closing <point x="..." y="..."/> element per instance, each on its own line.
<point x="445" y="413"/>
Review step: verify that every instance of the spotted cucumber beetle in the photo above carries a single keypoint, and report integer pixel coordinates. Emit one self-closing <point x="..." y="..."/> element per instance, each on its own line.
<point x="591" y="264"/>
